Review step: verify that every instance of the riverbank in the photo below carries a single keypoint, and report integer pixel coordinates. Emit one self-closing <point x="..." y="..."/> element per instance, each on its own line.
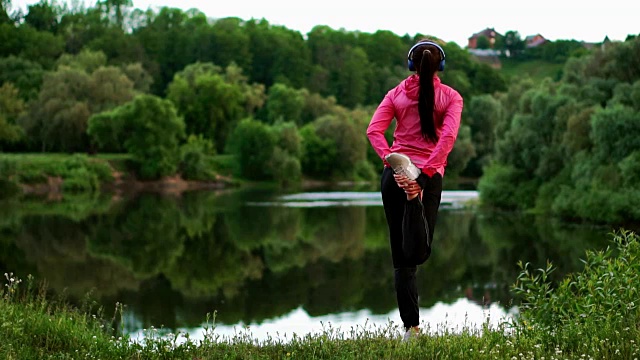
<point x="573" y="319"/>
<point x="54" y="174"/>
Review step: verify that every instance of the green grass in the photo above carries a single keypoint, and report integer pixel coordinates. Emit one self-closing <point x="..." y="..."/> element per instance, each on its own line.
<point x="593" y="314"/>
<point x="536" y="69"/>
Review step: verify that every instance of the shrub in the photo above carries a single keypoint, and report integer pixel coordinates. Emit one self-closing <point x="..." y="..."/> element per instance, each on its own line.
<point x="196" y="159"/>
<point x="602" y="299"/>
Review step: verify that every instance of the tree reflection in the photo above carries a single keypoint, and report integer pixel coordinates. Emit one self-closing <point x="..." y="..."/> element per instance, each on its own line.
<point x="172" y="260"/>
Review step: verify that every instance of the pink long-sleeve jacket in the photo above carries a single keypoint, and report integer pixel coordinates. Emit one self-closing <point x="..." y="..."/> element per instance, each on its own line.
<point x="401" y="103"/>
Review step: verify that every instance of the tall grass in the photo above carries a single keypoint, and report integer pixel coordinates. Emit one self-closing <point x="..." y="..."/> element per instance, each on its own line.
<point x="592" y="314"/>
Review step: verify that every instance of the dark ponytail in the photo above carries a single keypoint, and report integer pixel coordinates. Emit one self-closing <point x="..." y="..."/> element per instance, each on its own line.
<point x="427" y="58"/>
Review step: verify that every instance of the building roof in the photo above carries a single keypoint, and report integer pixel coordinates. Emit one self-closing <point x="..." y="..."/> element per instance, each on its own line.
<point x="488" y="32"/>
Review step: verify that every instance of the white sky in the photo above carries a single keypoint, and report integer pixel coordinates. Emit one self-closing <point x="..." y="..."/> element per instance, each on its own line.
<point x="450" y="20"/>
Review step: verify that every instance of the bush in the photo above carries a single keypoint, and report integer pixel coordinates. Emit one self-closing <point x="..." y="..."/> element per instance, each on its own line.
<point x="196" y="159"/>
<point x="81" y="179"/>
<point x="505" y="187"/>
<point x="253" y="142"/>
<point x="601" y="300"/>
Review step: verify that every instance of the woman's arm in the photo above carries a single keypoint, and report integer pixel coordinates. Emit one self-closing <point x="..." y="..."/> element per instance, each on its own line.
<point x="380" y="121"/>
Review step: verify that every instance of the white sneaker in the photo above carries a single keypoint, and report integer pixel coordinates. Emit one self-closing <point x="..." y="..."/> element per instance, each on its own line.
<point x="410" y="334"/>
<point x="402" y="165"/>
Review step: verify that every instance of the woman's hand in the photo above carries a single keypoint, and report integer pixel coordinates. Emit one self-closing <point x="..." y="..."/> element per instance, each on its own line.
<point x="410" y="187"/>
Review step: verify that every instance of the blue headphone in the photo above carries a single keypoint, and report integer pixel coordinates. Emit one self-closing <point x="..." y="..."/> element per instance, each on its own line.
<point x="410" y="62"/>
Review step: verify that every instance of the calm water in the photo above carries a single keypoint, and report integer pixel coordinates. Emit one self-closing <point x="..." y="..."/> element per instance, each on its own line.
<point x="277" y="263"/>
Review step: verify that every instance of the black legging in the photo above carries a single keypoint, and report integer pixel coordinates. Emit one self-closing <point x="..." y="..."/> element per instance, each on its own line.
<point x="409" y="237"/>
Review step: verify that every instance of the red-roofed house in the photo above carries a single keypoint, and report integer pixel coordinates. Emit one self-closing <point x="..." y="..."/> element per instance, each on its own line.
<point x="534" y="40"/>
<point x="489" y="33"/>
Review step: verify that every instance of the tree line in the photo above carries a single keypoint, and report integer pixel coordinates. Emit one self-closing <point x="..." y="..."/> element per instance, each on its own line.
<point x="173" y="87"/>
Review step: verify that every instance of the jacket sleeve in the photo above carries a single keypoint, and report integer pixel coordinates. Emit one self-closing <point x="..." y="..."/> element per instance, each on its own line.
<point x="380" y="121"/>
<point x="448" y="135"/>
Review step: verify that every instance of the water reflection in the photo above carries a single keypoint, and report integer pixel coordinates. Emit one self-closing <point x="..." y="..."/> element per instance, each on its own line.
<point x="259" y="258"/>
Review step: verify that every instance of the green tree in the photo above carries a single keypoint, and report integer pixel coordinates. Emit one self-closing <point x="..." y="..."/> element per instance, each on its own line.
<point x="209" y="103"/>
<point x="150" y="130"/>
<point x="484" y="113"/>
<point x="513" y="44"/>
<point x="329" y="141"/>
<point x="6" y="15"/>
<point x="24" y="74"/>
<point x="11" y="107"/>
<point x="57" y="119"/>
<point x="43" y="16"/>
<point x="284" y="103"/>
<point x="285" y="164"/>
<point x="253" y="143"/>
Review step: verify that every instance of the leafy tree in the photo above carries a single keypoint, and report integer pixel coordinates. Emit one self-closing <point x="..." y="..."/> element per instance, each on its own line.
<point x="615" y="133"/>
<point x="332" y="140"/>
<point x="149" y="129"/>
<point x="43" y="16"/>
<point x="210" y="104"/>
<point x="86" y="60"/>
<point x="230" y="34"/>
<point x="279" y="55"/>
<point x="24" y="74"/>
<point x="484" y="113"/>
<point x="11" y="107"/>
<point x="115" y="10"/>
<point x="196" y="158"/>
<point x="141" y="79"/>
<point x="166" y="41"/>
<point x="284" y="103"/>
<point x="513" y="44"/>
<point x="253" y="143"/>
<point x="5" y="12"/>
<point x="285" y="164"/>
<point x="57" y="119"/>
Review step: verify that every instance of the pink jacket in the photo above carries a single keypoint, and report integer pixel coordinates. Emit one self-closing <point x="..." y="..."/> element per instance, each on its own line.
<point x="401" y="103"/>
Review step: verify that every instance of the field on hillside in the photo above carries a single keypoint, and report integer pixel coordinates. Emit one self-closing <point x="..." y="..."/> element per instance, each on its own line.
<point x="536" y="69"/>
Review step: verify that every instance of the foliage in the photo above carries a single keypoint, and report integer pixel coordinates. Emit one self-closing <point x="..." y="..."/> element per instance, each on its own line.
<point x="77" y="172"/>
<point x="24" y="74"/>
<point x="11" y="107"/>
<point x="601" y="299"/>
<point x="571" y="143"/>
<point x="285" y="163"/>
<point x="149" y="129"/>
<point x="284" y="104"/>
<point x="210" y="101"/>
<point x="57" y="120"/>
<point x="253" y="144"/>
<point x="196" y="159"/>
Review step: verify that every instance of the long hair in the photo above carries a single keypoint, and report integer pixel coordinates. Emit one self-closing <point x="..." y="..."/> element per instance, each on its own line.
<point x="427" y="59"/>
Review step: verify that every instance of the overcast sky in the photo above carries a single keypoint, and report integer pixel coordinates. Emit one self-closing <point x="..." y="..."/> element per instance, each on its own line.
<point x="450" y="20"/>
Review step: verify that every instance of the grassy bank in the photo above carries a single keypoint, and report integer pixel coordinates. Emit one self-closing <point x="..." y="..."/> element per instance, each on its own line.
<point x="48" y="173"/>
<point x="592" y="314"/>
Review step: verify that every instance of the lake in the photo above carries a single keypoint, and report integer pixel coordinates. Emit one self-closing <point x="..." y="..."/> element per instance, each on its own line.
<point x="273" y="264"/>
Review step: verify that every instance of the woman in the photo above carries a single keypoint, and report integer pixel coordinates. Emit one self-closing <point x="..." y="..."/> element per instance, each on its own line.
<point x="427" y="115"/>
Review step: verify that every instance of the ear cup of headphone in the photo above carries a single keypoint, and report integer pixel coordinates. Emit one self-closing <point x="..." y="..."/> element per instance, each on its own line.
<point x="411" y="66"/>
<point x="441" y="67"/>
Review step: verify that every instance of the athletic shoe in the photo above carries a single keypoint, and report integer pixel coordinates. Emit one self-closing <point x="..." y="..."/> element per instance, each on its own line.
<point x="402" y="165"/>
<point x="410" y="334"/>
